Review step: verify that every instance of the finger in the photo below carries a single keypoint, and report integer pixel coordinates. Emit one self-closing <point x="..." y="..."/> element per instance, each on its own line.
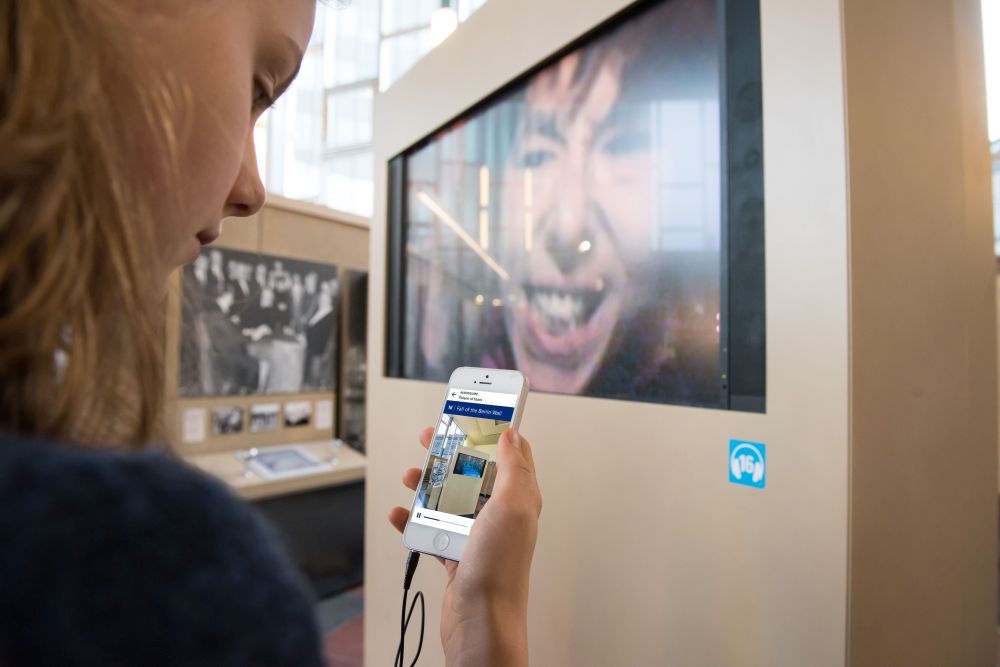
<point x="398" y="516"/>
<point x="517" y="448"/>
<point x="516" y="481"/>
<point x="515" y="474"/>
<point x="411" y="478"/>
<point x="527" y="451"/>
<point x="426" y="435"/>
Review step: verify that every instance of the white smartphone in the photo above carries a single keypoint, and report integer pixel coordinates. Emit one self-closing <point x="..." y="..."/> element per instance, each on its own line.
<point x="460" y="469"/>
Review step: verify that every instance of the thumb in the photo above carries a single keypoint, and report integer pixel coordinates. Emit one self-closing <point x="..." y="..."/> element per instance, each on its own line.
<point x="515" y="467"/>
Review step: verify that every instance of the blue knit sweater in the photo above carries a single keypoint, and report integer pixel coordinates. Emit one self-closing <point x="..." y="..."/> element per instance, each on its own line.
<point x="136" y="559"/>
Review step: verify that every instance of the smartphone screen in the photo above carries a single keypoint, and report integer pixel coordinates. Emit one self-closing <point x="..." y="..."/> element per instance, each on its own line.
<point x="461" y="466"/>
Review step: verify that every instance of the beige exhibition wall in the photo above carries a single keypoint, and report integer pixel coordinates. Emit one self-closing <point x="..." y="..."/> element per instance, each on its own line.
<point x="923" y="521"/>
<point x="667" y="562"/>
<point x="284" y="228"/>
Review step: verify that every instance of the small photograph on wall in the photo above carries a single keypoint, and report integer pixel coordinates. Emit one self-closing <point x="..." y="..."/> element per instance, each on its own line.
<point x="257" y="324"/>
<point x="227" y="421"/>
<point x="298" y="413"/>
<point x="265" y="417"/>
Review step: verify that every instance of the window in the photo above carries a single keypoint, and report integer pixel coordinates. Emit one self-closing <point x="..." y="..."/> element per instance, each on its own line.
<point x="995" y="146"/>
<point x="991" y="49"/>
<point x="316" y="143"/>
<point x="400" y="52"/>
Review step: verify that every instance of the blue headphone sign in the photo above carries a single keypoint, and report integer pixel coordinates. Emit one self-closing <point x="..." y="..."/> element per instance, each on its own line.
<point x="748" y="463"/>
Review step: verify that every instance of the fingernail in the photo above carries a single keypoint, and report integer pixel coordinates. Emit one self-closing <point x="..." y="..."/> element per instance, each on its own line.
<point x="515" y="438"/>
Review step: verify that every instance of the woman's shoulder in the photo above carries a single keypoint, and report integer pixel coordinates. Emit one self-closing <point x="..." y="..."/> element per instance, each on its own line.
<point x="129" y="551"/>
<point x="121" y="491"/>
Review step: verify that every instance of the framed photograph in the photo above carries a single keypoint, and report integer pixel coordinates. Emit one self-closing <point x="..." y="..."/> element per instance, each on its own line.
<point x="265" y="417"/>
<point x="289" y="461"/>
<point x="256" y="324"/>
<point x="597" y="223"/>
<point x="298" y="413"/>
<point x="227" y="421"/>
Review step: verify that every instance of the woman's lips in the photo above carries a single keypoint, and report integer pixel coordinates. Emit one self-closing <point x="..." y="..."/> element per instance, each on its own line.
<point x="564" y="331"/>
<point x="205" y="237"/>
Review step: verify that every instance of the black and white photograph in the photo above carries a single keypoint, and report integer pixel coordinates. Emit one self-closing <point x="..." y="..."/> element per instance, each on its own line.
<point x="298" y="413"/>
<point x="257" y="324"/>
<point x="227" y="421"/>
<point x="264" y="417"/>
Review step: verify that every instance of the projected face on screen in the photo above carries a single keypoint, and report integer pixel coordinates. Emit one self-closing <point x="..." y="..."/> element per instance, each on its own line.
<point x="578" y="201"/>
<point x="571" y="229"/>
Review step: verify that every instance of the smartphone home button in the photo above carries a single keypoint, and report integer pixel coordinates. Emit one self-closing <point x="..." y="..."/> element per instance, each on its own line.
<point x="441" y="541"/>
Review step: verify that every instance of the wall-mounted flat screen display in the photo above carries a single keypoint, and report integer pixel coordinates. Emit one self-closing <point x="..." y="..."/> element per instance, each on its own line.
<point x="597" y="223"/>
<point x="470" y="466"/>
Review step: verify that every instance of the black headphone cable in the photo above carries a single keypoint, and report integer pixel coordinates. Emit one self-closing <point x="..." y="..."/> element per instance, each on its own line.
<point x="404" y="619"/>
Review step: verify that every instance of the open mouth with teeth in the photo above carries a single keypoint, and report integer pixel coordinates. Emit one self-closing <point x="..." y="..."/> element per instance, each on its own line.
<point x="560" y="310"/>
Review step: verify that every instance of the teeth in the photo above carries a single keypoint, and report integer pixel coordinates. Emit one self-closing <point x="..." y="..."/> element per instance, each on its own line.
<point x="560" y="310"/>
<point x="563" y="306"/>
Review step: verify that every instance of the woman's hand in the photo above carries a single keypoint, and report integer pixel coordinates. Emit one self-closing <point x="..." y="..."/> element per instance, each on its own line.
<point x="485" y="610"/>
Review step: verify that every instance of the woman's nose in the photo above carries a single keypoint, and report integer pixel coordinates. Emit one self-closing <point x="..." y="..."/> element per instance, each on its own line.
<point x="567" y="232"/>
<point x="247" y="195"/>
<point x="568" y="252"/>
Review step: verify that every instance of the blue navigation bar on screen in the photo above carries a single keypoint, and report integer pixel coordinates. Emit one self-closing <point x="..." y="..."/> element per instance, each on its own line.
<point x="479" y="410"/>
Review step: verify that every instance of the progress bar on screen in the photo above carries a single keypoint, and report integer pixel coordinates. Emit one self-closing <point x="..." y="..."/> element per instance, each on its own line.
<point x="431" y="518"/>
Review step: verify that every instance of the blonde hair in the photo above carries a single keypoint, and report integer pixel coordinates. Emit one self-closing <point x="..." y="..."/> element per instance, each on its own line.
<point x="80" y="313"/>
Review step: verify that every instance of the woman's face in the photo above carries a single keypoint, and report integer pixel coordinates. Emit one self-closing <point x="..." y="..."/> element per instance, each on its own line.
<point x="578" y="199"/>
<point x="229" y="59"/>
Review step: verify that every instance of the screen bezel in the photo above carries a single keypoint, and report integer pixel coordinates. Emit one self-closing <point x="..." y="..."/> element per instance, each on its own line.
<point x="742" y="326"/>
<point x="419" y="537"/>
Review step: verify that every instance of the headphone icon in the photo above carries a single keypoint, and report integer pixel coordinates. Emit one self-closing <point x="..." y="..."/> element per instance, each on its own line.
<point x="736" y="467"/>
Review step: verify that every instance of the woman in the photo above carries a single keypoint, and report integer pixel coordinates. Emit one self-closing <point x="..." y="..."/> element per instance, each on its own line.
<point x="126" y="128"/>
